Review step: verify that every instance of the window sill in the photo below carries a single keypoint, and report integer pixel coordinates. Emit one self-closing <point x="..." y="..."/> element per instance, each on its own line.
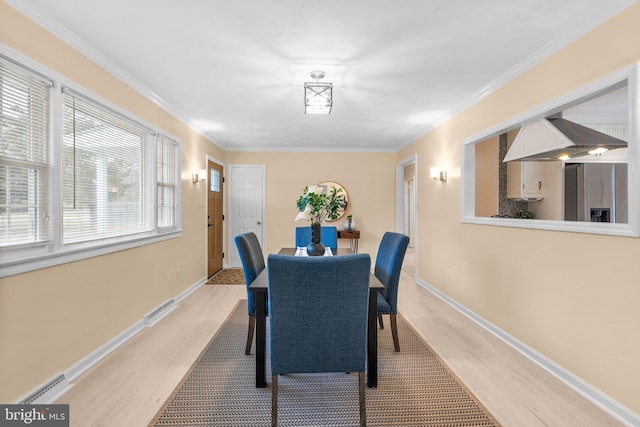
<point x="624" y="230"/>
<point x="36" y="262"/>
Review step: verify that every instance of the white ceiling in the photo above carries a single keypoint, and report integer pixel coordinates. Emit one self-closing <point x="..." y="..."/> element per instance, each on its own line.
<point x="234" y="69"/>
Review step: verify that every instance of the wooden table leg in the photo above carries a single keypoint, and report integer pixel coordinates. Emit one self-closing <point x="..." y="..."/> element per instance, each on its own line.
<point x="372" y="340"/>
<point x="261" y="338"/>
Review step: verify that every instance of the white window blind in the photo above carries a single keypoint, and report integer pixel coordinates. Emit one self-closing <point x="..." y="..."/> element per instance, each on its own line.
<point x="79" y="176"/>
<point x="166" y="177"/>
<point x="24" y="147"/>
<point x="106" y="173"/>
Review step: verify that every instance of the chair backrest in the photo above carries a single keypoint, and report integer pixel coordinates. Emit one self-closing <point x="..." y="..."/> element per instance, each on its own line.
<point x="328" y="236"/>
<point x="252" y="263"/>
<point x="318" y="313"/>
<point x="389" y="263"/>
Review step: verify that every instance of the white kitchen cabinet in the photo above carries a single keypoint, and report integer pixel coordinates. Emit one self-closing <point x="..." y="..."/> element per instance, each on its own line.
<point x="524" y="180"/>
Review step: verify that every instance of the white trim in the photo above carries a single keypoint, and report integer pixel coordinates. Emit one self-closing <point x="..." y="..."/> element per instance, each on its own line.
<point x="48" y="391"/>
<point x="568" y="37"/>
<point x="604" y="402"/>
<point x="38" y="16"/>
<point x="61" y="80"/>
<point x="400" y="200"/>
<point x="313" y="149"/>
<point x="80" y="253"/>
<point x="400" y="189"/>
<point x="49" y="395"/>
<point x="632" y="229"/>
<point x="541" y="224"/>
<point x="16" y="260"/>
<point x="159" y="312"/>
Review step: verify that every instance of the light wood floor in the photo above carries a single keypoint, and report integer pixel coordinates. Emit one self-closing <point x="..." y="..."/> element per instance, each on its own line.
<point x="129" y="386"/>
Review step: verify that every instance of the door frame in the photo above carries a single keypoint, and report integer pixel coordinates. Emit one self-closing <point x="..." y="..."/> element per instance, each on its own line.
<point x="206" y="212"/>
<point x="231" y="220"/>
<point x="400" y="206"/>
<point x="409" y="220"/>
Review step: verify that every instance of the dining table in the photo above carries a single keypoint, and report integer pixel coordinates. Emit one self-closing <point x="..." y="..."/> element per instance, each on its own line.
<point x="260" y="288"/>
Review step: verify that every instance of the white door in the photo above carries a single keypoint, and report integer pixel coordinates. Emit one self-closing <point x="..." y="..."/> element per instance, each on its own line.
<point x="246" y="205"/>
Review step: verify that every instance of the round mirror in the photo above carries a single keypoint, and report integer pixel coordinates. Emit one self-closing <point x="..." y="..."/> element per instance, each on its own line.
<point x="326" y="187"/>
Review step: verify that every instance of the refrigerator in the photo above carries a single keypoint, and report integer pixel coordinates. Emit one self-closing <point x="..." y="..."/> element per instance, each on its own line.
<point x="596" y="192"/>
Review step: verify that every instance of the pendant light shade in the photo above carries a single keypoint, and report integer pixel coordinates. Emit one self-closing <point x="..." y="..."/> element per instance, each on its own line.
<point x="318" y="97"/>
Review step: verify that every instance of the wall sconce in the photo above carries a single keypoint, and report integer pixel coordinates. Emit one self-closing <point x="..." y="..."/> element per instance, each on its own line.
<point x="199" y="176"/>
<point x="438" y="174"/>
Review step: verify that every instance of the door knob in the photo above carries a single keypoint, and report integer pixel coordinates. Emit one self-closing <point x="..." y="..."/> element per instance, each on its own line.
<point x="258" y="223"/>
<point x="209" y="225"/>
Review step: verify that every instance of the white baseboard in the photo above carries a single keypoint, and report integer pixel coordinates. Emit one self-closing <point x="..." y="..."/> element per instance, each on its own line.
<point x="47" y="392"/>
<point x="606" y="403"/>
<point x="59" y="384"/>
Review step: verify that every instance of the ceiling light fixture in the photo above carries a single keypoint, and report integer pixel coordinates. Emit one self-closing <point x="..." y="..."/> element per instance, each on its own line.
<point x="318" y="97"/>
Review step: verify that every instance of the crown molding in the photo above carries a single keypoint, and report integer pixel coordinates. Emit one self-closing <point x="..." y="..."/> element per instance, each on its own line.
<point x="563" y="40"/>
<point x="53" y="26"/>
<point x="57" y="29"/>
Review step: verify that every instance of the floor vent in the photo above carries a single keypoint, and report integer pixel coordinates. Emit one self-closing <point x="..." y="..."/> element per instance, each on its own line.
<point x="157" y="314"/>
<point x="47" y="392"/>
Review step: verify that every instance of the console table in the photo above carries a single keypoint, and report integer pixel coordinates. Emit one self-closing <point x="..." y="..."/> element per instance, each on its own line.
<point x="353" y="236"/>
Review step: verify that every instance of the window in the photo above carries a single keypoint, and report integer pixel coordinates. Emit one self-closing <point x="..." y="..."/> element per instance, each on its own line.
<point x="112" y="183"/>
<point x="24" y="142"/>
<point x="105" y="165"/>
<point x="567" y="165"/>
<point x="214" y="179"/>
<point x="166" y="181"/>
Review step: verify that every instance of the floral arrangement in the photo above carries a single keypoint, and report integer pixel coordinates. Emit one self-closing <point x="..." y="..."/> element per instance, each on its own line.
<point x="317" y="206"/>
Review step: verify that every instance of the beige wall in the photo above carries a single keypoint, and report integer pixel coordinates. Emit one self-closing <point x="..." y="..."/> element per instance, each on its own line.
<point x="553" y="291"/>
<point x="553" y="294"/>
<point x="52" y="318"/>
<point x="369" y="179"/>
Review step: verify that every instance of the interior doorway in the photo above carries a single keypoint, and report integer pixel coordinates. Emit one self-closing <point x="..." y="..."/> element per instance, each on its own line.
<point x="215" y="255"/>
<point x="407" y="202"/>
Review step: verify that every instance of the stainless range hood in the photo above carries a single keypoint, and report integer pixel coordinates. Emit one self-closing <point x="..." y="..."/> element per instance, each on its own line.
<point x="549" y="138"/>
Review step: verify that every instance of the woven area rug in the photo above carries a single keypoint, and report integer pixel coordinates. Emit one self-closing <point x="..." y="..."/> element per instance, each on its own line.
<point x="227" y="276"/>
<point x="414" y="389"/>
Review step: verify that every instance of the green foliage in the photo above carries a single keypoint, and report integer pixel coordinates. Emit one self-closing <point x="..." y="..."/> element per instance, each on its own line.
<point x="317" y="207"/>
<point x="523" y="214"/>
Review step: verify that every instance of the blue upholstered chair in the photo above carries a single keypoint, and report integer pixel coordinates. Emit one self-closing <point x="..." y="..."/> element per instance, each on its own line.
<point x="252" y="264"/>
<point x="328" y="237"/>
<point x="318" y="317"/>
<point x="387" y="269"/>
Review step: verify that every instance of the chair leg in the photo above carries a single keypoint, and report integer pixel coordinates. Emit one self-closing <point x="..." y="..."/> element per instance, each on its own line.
<point x="274" y="401"/>
<point x="363" y="403"/>
<point x="394" y="332"/>
<point x="252" y="327"/>
<point x="380" y="321"/>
